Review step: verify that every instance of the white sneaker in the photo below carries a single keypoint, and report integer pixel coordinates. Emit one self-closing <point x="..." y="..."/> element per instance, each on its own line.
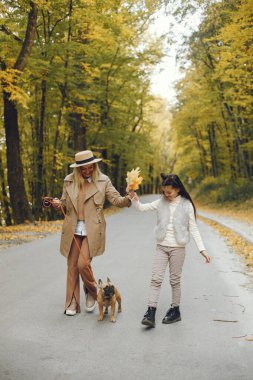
<point x="90" y="303"/>
<point x="71" y="310"/>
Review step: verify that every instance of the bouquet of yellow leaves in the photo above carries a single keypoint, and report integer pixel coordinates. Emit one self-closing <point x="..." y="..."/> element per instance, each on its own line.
<point x="133" y="179"/>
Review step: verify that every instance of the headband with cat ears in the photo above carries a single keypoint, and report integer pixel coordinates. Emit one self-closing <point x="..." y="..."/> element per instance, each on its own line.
<point x="170" y="179"/>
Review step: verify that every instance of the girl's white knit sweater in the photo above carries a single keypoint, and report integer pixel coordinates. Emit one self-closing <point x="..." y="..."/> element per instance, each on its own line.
<point x="170" y="240"/>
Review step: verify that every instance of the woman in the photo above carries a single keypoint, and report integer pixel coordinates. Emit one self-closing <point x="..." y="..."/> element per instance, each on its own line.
<point x="175" y="221"/>
<point x="83" y="232"/>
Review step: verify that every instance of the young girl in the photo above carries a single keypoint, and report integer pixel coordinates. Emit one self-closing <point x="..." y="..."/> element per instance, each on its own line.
<point x="176" y="218"/>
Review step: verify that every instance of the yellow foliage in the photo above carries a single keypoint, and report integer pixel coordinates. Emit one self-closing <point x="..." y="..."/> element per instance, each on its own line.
<point x="9" y="79"/>
<point x="215" y="97"/>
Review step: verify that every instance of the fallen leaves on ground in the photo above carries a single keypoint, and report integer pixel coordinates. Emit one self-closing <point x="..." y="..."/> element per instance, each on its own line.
<point x="234" y="240"/>
<point x="23" y="233"/>
<point x="243" y="211"/>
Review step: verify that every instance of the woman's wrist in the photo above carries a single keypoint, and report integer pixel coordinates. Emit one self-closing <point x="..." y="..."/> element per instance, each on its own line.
<point x="56" y="203"/>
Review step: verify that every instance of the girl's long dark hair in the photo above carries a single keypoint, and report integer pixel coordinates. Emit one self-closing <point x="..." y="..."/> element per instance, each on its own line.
<point x="174" y="181"/>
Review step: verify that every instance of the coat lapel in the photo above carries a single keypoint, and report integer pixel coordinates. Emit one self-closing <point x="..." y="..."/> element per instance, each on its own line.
<point x="90" y="190"/>
<point x="72" y="192"/>
<point x="94" y="187"/>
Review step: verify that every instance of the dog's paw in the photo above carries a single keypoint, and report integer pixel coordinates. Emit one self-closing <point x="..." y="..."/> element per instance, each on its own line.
<point x="113" y="320"/>
<point x="100" y="319"/>
<point x="119" y="310"/>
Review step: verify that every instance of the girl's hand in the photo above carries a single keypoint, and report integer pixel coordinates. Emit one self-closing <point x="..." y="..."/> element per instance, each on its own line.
<point x="132" y="195"/>
<point x="205" y="255"/>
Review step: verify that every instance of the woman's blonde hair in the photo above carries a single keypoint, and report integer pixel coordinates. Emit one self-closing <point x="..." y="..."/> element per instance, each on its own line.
<point x="78" y="178"/>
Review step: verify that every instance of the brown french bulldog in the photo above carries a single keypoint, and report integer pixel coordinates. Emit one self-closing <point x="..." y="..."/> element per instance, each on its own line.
<point x="107" y="296"/>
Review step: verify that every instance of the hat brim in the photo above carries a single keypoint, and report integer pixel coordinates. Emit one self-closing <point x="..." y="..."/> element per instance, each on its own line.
<point x="88" y="163"/>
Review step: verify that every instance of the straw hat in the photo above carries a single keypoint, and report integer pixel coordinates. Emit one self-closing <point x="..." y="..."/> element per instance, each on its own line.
<point x="84" y="158"/>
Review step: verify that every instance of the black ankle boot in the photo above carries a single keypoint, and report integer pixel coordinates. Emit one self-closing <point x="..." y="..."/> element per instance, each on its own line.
<point x="172" y="315"/>
<point x="149" y="317"/>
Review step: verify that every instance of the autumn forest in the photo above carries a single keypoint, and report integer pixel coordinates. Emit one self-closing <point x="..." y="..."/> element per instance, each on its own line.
<point x="76" y="75"/>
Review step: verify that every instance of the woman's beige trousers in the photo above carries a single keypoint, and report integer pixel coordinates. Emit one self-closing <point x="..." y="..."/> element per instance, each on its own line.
<point x="79" y="264"/>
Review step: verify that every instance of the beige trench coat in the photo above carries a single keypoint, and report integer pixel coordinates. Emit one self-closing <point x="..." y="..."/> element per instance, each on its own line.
<point x="93" y="210"/>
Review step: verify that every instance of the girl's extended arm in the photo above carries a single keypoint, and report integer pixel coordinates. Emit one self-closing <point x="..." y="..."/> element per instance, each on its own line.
<point x="194" y="230"/>
<point x="196" y="235"/>
<point x="144" y="207"/>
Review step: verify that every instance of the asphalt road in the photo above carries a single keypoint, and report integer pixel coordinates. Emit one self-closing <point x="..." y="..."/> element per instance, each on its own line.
<point x="38" y="342"/>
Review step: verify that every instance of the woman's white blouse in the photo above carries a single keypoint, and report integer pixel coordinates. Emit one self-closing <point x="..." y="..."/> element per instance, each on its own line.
<point x="170" y="240"/>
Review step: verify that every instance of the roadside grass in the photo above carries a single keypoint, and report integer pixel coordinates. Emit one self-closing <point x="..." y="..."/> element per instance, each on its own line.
<point x="24" y="233"/>
<point x="234" y="240"/>
<point x="242" y="211"/>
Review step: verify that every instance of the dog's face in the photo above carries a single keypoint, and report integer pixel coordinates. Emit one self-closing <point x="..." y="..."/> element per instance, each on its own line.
<point x="106" y="288"/>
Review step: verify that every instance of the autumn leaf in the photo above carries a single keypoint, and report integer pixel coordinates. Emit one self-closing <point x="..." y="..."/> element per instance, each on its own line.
<point x="133" y="179"/>
<point x="249" y="339"/>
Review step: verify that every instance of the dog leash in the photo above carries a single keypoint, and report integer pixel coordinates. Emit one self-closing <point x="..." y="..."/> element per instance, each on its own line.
<point x="48" y="202"/>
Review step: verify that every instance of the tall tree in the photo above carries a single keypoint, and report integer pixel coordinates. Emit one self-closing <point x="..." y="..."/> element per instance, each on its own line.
<point x="21" y="210"/>
<point x="86" y="84"/>
<point x="216" y="93"/>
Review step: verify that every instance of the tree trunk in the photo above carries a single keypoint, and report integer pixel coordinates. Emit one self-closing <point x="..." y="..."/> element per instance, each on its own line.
<point x="56" y="137"/>
<point x="21" y="210"/>
<point x="103" y="165"/>
<point x="157" y="185"/>
<point x="35" y="124"/>
<point x="63" y="90"/>
<point x="213" y="149"/>
<point x="4" y="198"/>
<point x="237" y="140"/>
<point x="202" y="153"/>
<point x="29" y="38"/>
<point x="115" y="169"/>
<point x="229" y="148"/>
<point x="79" y="132"/>
<point x="151" y="178"/>
<point x="40" y="144"/>
<point x="244" y="137"/>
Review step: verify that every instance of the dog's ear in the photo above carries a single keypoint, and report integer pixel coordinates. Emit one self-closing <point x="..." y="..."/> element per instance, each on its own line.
<point x="108" y="280"/>
<point x="100" y="283"/>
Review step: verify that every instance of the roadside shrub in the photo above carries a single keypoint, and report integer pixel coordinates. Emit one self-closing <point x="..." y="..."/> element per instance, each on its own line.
<point x="207" y="190"/>
<point x="235" y="191"/>
<point x="222" y="190"/>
